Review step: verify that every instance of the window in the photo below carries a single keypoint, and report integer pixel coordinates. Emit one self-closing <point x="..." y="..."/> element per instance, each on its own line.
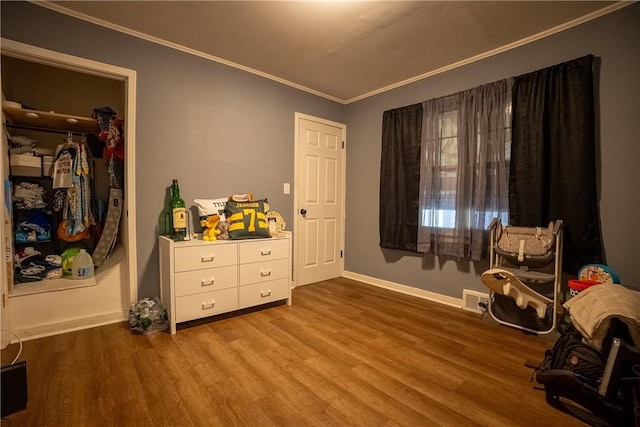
<point x="500" y="140"/>
<point x="458" y="149"/>
<point x="466" y="140"/>
<point x="443" y="213"/>
<point x="444" y="171"/>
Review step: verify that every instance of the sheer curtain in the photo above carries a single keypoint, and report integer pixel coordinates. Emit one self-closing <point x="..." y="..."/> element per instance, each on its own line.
<point x="465" y="148"/>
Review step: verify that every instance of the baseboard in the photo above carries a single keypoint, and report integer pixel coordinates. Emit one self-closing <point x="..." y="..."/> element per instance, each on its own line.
<point x="45" y="330"/>
<point x="404" y="289"/>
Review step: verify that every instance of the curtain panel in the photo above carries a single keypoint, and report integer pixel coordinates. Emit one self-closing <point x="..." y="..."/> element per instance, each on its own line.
<point x="464" y="183"/>
<point x="400" y="177"/>
<point x="553" y="158"/>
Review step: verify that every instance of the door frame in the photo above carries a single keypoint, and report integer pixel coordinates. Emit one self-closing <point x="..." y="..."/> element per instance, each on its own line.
<point x="61" y="60"/>
<point x="296" y="206"/>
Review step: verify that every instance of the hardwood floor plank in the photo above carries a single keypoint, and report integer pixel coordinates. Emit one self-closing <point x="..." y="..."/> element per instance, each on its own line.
<point x="122" y="384"/>
<point x="408" y="398"/>
<point x="344" y="354"/>
<point x="240" y="409"/>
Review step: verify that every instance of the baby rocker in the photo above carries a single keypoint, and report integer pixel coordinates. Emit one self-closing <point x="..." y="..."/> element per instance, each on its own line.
<point x="524" y="276"/>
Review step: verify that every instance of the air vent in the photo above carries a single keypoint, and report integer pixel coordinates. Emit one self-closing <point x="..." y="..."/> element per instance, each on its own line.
<point x="475" y="301"/>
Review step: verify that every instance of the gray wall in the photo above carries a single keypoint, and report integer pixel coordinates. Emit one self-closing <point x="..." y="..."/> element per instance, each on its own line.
<point x="615" y="39"/>
<point x="217" y="129"/>
<point x="203" y="122"/>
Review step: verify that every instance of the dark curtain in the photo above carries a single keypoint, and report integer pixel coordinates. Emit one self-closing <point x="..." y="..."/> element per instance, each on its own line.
<point x="400" y="177"/>
<point x="553" y="157"/>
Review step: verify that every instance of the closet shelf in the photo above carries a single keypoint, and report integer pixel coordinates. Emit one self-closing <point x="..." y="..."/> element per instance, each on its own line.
<point x="46" y="120"/>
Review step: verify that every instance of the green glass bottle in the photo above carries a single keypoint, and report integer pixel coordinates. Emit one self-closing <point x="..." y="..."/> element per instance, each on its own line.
<point x="178" y="214"/>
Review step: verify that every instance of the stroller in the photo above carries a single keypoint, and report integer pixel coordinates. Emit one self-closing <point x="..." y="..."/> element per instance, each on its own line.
<point x="524" y="276"/>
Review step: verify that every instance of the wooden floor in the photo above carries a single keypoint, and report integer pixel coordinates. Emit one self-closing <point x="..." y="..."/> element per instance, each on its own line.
<point x="344" y="354"/>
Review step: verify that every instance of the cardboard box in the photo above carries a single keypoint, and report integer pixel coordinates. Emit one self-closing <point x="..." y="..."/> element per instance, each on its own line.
<point x="25" y="165"/>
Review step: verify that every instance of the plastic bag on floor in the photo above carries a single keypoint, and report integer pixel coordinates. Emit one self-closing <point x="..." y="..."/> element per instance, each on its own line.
<point x="148" y="316"/>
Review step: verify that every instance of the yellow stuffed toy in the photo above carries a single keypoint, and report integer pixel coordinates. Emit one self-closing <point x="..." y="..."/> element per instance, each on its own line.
<point x="211" y="232"/>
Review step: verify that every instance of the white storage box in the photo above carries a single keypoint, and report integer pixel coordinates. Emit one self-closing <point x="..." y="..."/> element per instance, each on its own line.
<point x="25" y="165"/>
<point x="47" y="165"/>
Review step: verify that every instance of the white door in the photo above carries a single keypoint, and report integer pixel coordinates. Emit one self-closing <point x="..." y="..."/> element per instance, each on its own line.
<point x="319" y="195"/>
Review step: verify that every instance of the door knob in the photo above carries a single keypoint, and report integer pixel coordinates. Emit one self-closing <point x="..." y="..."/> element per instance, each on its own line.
<point x="303" y="211"/>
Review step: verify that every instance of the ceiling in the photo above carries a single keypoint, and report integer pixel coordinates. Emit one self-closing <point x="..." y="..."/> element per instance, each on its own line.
<point x="341" y="50"/>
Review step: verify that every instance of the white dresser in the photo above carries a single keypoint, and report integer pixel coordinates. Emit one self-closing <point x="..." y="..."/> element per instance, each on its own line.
<point x="200" y="278"/>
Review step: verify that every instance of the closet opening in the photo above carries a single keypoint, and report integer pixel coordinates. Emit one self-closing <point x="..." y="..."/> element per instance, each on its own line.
<point x="53" y="105"/>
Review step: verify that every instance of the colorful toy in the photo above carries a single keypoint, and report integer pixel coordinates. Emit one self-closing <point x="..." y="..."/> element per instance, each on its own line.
<point x="599" y="273"/>
<point x="211" y="232"/>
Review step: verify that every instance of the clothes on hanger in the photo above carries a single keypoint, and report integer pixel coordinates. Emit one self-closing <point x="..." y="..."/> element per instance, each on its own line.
<point x="65" y="158"/>
<point x="71" y="171"/>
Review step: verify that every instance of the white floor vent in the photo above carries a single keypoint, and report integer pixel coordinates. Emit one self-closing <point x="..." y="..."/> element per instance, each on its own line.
<point x="475" y="301"/>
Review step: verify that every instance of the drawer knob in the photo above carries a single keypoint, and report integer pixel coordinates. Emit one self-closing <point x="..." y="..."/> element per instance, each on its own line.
<point x="265" y="252"/>
<point x="206" y="306"/>
<point x="265" y="273"/>
<point x="207" y="282"/>
<point x="207" y="258"/>
<point x="265" y="294"/>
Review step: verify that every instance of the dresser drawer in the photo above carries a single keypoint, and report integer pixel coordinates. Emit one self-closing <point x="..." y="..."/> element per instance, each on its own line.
<point x="264" y="250"/>
<point x="191" y="307"/>
<point x="263" y="271"/>
<point x="261" y="293"/>
<point x="205" y="256"/>
<point x="211" y="279"/>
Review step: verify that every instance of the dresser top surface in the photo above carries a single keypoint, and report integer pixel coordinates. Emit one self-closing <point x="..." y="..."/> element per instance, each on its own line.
<point x="199" y="242"/>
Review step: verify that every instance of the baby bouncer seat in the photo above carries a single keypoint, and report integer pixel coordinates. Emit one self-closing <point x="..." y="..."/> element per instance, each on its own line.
<point x="524" y="276"/>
